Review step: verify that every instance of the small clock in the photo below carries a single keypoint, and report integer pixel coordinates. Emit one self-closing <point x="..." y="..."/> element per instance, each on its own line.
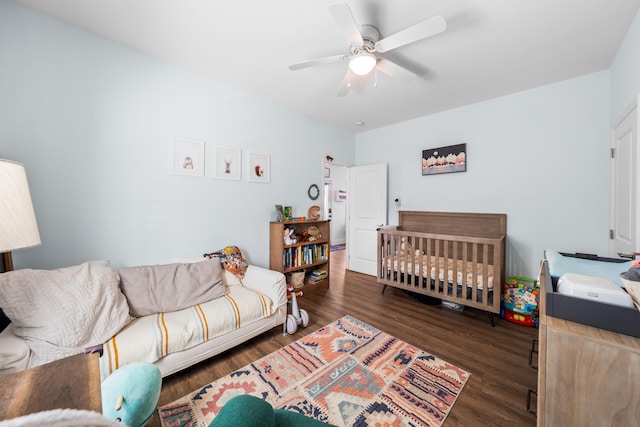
<point x="313" y="192"/>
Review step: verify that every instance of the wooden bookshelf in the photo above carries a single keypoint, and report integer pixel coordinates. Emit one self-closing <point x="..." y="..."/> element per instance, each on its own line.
<point x="311" y="255"/>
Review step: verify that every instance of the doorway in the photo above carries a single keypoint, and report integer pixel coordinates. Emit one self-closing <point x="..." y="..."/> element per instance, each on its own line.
<point x="624" y="156"/>
<point x="367" y="209"/>
<point x="335" y="207"/>
<point x="355" y="200"/>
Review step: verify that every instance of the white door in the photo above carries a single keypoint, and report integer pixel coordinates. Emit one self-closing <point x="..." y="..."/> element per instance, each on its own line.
<point x="624" y="184"/>
<point x="367" y="210"/>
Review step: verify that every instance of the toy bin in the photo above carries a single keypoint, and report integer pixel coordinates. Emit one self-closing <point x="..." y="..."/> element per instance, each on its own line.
<point x="520" y="301"/>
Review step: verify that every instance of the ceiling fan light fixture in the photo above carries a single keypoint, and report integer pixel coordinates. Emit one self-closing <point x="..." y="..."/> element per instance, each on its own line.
<point x="362" y="63"/>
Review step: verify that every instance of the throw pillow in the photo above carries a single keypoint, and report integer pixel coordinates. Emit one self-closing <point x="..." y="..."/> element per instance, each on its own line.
<point x="164" y="288"/>
<point x="61" y="312"/>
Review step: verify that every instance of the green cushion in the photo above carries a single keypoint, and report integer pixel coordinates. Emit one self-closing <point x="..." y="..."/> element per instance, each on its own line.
<point x="295" y="419"/>
<point x="245" y="411"/>
<point x="250" y="411"/>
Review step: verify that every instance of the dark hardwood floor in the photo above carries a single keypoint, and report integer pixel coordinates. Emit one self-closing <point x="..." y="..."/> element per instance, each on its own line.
<point x="496" y="357"/>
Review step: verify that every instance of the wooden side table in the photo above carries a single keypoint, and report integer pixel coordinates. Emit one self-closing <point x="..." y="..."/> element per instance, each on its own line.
<point x="73" y="383"/>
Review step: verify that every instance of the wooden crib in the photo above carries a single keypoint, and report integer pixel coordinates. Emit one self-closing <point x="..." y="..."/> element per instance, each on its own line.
<point x="456" y="257"/>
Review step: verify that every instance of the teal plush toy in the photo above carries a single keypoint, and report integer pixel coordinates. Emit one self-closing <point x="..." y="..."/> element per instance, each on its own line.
<point x="250" y="411"/>
<point x="131" y="393"/>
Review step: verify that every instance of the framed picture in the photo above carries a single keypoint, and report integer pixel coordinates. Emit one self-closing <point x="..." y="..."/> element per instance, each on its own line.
<point x="187" y="157"/>
<point x="228" y="163"/>
<point x="259" y="167"/>
<point x="452" y="158"/>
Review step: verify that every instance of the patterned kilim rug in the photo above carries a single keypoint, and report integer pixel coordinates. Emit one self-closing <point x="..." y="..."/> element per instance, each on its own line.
<point x="347" y="373"/>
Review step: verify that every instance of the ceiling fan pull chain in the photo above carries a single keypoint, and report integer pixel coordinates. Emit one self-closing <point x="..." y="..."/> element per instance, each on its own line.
<point x="348" y="78"/>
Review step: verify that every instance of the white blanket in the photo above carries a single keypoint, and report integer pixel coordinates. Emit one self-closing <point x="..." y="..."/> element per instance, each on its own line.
<point x="149" y="338"/>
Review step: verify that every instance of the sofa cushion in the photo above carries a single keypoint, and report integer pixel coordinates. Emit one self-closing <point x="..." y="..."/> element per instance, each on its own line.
<point x="61" y="312"/>
<point x="165" y="288"/>
<point x="228" y="277"/>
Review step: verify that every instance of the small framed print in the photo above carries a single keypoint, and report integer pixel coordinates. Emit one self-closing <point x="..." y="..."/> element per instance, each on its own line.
<point x="259" y="168"/>
<point x="228" y="163"/>
<point x="188" y="157"/>
<point x="452" y="158"/>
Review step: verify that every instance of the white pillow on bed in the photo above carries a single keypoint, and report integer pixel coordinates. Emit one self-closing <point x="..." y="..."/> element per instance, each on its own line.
<point x="61" y="312"/>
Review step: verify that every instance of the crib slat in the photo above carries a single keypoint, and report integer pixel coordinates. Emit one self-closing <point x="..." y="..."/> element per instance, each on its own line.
<point x="465" y="262"/>
<point x="472" y="281"/>
<point x="455" y="258"/>
<point x="421" y="274"/>
<point x="414" y="279"/>
<point x="485" y="274"/>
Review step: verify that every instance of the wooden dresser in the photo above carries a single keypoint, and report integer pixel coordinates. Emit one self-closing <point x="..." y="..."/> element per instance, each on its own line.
<point x="586" y="376"/>
<point x="72" y="382"/>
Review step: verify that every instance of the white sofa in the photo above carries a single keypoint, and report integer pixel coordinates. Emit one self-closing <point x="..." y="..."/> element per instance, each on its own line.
<point x="172" y="340"/>
<point x="226" y="329"/>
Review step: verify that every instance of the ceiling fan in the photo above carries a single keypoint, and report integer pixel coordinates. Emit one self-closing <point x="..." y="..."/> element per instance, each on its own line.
<point x="365" y="45"/>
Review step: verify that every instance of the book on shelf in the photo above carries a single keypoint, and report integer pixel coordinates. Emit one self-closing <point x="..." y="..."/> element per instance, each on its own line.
<point x="317" y="276"/>
<point x="303" y="255"/>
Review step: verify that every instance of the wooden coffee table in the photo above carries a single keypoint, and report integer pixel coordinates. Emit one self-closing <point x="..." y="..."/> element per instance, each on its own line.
<point x="73" y="382"/>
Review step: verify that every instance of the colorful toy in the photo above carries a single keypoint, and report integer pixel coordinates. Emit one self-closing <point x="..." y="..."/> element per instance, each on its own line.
<point x="520" y="301"/>
<point x="130" y="394"/>
<point x="297" y="316"/>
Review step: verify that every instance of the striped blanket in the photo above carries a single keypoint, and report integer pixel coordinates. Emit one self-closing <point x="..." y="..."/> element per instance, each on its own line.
<point x="149" y="338"/>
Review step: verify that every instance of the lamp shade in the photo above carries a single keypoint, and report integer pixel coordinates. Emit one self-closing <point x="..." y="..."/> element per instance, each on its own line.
<point x="362" y="63"/>
<point x="18" y="227"/>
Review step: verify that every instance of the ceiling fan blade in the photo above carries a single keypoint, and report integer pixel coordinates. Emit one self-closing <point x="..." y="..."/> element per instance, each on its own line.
<point x="342" y="14"/>
<point x="319" y="61"/>
<point x="394" y="70"/>
<point x="421" y="30"/>
<point x="345" y="85"/>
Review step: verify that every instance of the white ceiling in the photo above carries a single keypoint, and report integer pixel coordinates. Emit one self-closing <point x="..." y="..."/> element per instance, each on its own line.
<point x="490" y="48"/>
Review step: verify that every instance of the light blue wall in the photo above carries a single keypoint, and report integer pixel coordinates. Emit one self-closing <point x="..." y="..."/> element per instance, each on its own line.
<point x="625" y="72"/>
<point x="92" y="121"/>
<point x="539" y="156"/>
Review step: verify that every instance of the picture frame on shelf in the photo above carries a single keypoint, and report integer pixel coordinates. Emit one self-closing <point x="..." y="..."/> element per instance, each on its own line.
<point x="187" y="157"/>
<point x="259" y="168"/>
<point x="228" y="163"/>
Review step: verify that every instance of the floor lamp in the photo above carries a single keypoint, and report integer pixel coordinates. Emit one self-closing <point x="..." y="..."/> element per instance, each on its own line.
<point x="18" y="227"/>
